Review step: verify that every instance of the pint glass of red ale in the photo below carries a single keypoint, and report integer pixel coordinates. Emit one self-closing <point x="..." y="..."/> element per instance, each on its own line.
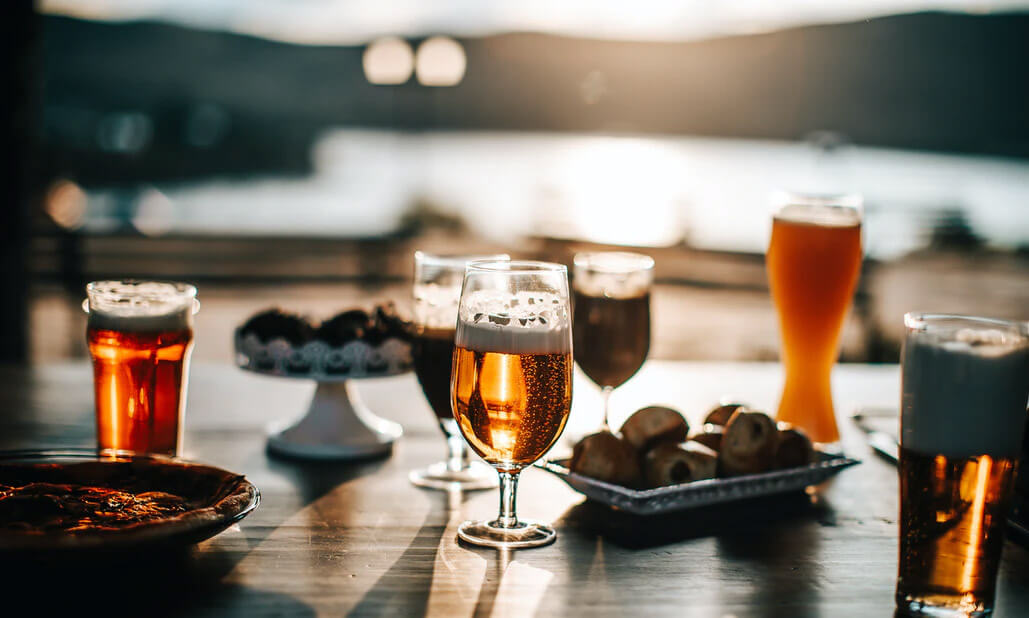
<point x="140" y="336"/>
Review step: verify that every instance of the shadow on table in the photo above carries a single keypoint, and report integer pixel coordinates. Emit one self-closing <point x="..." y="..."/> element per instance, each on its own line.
<point x="152" y="583"/>
<point x="630" y="531"/>
<point x="404" y="589"/>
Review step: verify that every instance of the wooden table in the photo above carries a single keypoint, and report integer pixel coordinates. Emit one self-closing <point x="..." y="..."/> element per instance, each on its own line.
<point x="358" y="539"/>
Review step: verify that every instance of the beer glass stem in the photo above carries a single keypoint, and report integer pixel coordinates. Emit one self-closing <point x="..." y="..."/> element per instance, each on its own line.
<point x="605" y="392"/>
<point x="457" y="454"/>
<point x="507" y="518"/>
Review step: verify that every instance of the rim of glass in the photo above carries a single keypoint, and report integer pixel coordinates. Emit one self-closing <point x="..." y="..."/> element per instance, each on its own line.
<point x="924" y="322"/>
<point x="621" y="261"/>
<point x="849" y="201"/>
<point x="183" y="290"/>
<point x="457" y="260"/>
<point x="514" y="267"/>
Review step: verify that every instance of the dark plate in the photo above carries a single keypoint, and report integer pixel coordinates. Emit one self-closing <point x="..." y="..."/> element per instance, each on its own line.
<point x="224" y="498"/>
<point x="700" y="493"/>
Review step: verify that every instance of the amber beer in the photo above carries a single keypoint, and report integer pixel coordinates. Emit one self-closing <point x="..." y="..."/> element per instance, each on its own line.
<point x="813" y="261"/>
<point x="612" y="335"/>
<point x="511" y="407"/>
<point x="964" y="392"/>
<point x="140" y="350"/>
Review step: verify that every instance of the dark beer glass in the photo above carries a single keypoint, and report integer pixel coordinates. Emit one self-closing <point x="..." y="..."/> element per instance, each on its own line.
<point x="963" y="413"/>
<point x="437" y="290"/>
<point x="512" y="381"/>
<point x="611" y="323"/>
<point x="140" y="336"/>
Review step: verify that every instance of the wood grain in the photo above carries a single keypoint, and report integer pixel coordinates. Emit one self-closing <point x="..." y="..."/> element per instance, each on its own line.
<point x="358" y="539"/>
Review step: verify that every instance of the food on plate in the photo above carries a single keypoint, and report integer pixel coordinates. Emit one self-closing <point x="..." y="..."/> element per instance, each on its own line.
<point x="276" y="323"/>
<point x="653" y="425"/>
<point x="793" y="449"/>
<point x="720" y="415"/>
<point x="382" y="323"/>
<point x="748" y="445"/>
<point x="672" y="464"/>
<point x="711" y="437"/>
<point x="605" y="457"/>
<point x="653" y="450"/>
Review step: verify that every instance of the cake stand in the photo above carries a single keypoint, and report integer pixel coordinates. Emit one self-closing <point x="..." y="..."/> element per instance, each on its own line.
<point x="337" y="425"/>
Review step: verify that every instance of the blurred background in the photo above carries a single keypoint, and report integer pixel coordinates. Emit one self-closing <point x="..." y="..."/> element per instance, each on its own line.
<point x="297" y="152"/>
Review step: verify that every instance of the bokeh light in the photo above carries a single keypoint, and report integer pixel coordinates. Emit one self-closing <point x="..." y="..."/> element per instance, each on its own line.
<point x="65" y="203"/>
<point x="388" y="61"/>
<point x="440" y="62"/>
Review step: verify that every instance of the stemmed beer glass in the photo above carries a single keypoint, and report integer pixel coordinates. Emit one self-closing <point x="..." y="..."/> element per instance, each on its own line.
<point x="437" y="290"/>
<point x="512" y="381"/>
<point x="612" y="317"/>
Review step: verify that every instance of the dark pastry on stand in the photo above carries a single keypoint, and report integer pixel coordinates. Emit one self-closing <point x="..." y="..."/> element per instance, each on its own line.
<point x="653" y="425"/>
<point x="748" y="445"/>
<point x="345" y="327"/>
<point x="603" y="456"/>
<point x="275" y="324"/>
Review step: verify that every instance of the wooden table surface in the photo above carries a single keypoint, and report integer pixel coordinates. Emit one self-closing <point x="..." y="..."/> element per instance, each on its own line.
<point x="358" y="539"/>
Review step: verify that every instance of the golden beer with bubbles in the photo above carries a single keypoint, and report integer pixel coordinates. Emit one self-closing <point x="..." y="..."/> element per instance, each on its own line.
<point x="512" y="381"/>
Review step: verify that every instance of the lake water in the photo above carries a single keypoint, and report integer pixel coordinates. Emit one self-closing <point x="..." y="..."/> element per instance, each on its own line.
<point x="647" y="191"/>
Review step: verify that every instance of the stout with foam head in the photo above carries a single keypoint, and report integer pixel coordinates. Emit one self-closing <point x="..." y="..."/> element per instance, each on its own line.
<point x="512" y="385"/>
<point x="611" y="325"/>
<point x="140" y="336"/>
<point x="963" y="413"/>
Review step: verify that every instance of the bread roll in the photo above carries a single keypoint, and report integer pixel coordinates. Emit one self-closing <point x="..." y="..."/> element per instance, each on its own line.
<point x="793" y="449"/>
<point x="653" y="425"/>
<point x="748" y="445"/>
<point x="720" y="415"/>
<point x="671" y="464"/>
<point x="604" y="457"/>
<point x="711" y="439"/>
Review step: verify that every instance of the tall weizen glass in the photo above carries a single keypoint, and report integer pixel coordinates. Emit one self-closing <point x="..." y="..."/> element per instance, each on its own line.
<point x="963" y="413"/>
<point x="437" y="290"/>
<point x="512" y="381"/>
<point x="611" y="325"/>
<point x="813" y="262"/>
<point x="140" y="336"/>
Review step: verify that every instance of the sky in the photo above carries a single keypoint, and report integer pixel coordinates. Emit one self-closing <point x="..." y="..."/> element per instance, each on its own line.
<point x="341" y="22"/>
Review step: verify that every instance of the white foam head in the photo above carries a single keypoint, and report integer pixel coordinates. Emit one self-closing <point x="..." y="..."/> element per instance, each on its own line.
<point x="140" y="306"/>
<point x="613" y="274"/>
<point x="825" y="210"/>
<point x="520" y="323"/>
<point x="437" y="287"/>
<point x="965" y="387"/>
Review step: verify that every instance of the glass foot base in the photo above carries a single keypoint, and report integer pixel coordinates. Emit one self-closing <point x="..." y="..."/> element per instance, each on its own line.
<point x="488" y="534"/>
<point x="438" y="476"/>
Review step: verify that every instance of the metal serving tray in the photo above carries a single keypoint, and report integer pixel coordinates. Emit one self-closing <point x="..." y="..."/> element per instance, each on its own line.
<point x="700" y="493"/>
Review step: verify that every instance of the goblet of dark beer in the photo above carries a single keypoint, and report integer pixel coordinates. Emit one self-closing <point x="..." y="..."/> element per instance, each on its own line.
<point x="140" y="336"/>
<point x="512" y="381"/>
<point x="437" y="290"/>
<point x="963" y="411"/>
<point x="611" y="322"/>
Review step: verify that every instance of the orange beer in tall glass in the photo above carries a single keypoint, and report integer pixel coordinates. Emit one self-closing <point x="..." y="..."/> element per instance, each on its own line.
<point x="140" y="335"/>
<point x="813" y="261"/>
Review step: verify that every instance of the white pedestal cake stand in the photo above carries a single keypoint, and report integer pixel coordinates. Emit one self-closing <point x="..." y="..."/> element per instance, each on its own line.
<point x="337" y="425"/>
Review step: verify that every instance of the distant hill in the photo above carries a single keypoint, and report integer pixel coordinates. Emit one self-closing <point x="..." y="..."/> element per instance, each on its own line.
<point x="924" y="81"/>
